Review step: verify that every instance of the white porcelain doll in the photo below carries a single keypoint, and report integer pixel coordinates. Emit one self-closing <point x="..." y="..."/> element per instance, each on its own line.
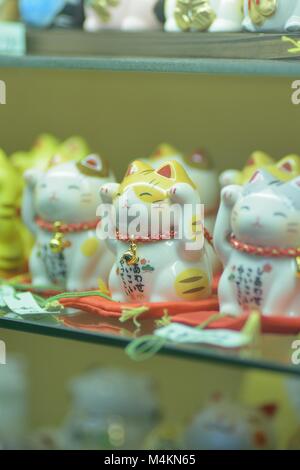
<point x="127" y="15"/>
<point x="160" y="256"/>
<point x="257" y="237"/>
<point x="272" y="15"/>
<point x="59" y="207"/>
<point x="200" y="169"/>
<point x="203" y="15"/>
<point x="226" y="425"/>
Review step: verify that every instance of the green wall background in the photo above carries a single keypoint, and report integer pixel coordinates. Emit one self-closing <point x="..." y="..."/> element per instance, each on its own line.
<point x="125" y="115"/>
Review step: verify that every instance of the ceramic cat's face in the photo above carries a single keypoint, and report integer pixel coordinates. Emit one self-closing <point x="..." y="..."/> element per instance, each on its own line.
<point x="225" y="425"/>
<point x="268" y="212"/>
<point x="69" y="192"/>
<point x="146" y="189"/>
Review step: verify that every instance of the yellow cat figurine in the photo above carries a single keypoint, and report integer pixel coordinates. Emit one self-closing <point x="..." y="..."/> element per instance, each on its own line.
<point x="155" y="231"/>
<point x="12" y="249"/>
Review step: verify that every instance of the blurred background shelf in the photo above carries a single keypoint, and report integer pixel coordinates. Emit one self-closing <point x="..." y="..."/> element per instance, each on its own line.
<point x="274" y="353"/>
<point x="210" y="53"/>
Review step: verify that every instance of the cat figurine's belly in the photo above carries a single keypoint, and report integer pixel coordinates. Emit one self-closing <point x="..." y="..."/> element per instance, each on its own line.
<point x="80" y="266"/>
<point x="254" y="282"/>
<point x="157" y="277"/>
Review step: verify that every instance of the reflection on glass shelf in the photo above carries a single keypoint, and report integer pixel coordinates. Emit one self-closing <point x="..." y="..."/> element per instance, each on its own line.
<point x="274" y="352"/>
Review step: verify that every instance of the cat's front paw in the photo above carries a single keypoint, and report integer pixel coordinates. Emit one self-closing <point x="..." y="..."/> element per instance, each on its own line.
<point x="231" y="194"/>
<point x="108" y="192"/>
<point x="182" y="193"/>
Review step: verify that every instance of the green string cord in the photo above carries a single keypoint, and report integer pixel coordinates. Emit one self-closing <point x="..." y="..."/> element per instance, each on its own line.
<point x="144" y="348"/>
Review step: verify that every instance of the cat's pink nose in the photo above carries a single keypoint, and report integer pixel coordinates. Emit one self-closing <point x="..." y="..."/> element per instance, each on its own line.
<point x="53" y="197"/>
<point x="258" y="223"/>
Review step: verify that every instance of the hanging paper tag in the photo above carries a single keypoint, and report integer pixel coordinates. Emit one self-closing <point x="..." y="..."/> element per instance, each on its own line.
<point x="5" y="290"/>
<point x="25" y="304"/>
<point x="179" y="333"/>
<point x="12" y="38"/>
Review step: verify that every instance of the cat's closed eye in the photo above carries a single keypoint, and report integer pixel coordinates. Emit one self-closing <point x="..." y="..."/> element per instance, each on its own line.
<point x="43" y="185"/>
<point x="145" y="194"/>
<point x="279" y="214"/>
<point x="245" y="208"/>
<point x="73" y="186"/>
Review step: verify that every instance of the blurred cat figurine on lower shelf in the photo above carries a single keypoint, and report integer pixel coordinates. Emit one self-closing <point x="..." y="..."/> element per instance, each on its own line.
<point x="226" y="425"/>
<point x="59" y="207"/>
<point x="127" y="15"/>
<point x="272" y="15"/>
<point x="203" y="15"/>
<point x="257" y="237"/>
<point x="161" y="257"/>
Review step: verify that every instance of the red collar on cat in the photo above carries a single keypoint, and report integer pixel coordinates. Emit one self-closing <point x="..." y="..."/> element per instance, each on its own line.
<point x="264" y="250"/>
<point x="166" y="236"/>
<point x="66" y="228"/>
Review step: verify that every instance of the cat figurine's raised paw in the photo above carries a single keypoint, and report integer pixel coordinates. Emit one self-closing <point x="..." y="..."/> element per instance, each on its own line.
<point x="257" y="237"/>
<point x="203" y="15"/>
<point x="159" y="254"/>
<point x="59" y="207"/>
<point x="271" y="15"/>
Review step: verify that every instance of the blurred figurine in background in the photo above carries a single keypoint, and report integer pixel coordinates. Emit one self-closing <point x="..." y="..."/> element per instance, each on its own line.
<point x="59" y="207"/>
<point x="272" y="15"/>
<point x="52" y="13"/>
<point x="128" y="15"/>
<point x="203" y="15"/>
<point x="285" y="169"/>
<point x="12" y="244"/>
<point x="13" y="404"/>
<point x="110" y="409"/>
<point x="227" y="425"/>
<point x="9" y="10"/>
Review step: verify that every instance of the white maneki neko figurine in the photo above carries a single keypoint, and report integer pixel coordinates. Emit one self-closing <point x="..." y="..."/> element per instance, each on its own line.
<point x="157" y="265"/>
<point x="257" y="237"/>
<point x="59" y="207"/>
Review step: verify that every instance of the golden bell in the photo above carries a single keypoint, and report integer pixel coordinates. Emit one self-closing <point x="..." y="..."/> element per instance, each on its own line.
<point x="130" y="256"/>
<point x="57" y="244"/>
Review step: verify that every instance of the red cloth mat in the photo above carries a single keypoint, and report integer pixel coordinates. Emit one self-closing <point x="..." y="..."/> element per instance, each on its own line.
<point x="188" y="313"/>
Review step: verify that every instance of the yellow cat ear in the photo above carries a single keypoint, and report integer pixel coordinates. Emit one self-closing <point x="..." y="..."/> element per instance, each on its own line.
<point x="287" y="168"/>
<point x="3" y="158"/>
<point x="167" y="171"/>
<point x="137" y="167"/>
<point x="259" y="159"/>
<point x="174" y="171"/>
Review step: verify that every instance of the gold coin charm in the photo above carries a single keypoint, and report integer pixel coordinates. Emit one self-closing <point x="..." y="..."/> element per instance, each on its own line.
<point x="57" y="244"/>
<point x="130" y="256"/>
<point x="194" y="14"/>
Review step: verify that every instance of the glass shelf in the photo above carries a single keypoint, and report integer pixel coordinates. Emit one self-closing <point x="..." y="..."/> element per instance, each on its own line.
<point x="273" y="353"/>
<point x="157" y="51"/>
<point x="204" y="66"/>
